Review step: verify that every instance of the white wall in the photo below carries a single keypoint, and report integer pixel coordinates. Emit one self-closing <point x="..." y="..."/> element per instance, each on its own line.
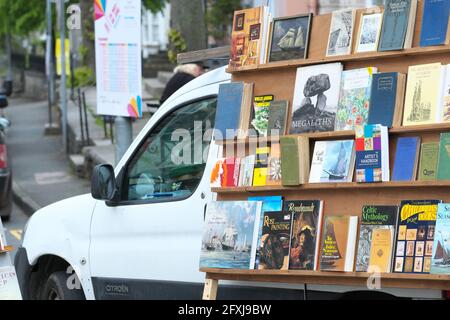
<point x="155" y="29"/>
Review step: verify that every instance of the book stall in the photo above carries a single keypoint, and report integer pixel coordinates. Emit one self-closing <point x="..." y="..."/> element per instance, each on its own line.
<point x="334" y="163"/>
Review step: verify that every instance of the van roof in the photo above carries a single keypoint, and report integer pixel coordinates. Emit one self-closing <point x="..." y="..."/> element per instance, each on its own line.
<point x="211" y="77"/>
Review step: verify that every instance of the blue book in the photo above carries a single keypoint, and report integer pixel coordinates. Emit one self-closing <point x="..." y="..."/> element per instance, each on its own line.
<point x="270" y="204"/>
<point x="228" y="112"/>
<point x="440" y="263"/>
<point x="395" y="24"/>
<point x="434" y="22"/>
<point x="386" y="100"/>
<point x="406" y="158"/>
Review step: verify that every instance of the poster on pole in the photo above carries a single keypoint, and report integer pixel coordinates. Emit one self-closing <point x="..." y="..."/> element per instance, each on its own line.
<point x="118" y="57"/>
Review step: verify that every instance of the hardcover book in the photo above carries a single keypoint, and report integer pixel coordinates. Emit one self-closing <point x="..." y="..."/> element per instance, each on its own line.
<point x="354" y="99"/>
<point x="261" y="166"/>
<point x="274" y="177"/>
<point x="443" y="172"/>
<point x="316" y="97"/>
<point x="423" y="94"/>
<point x="269" y="204"/>
<point x="307" y="216"/>
<point x="435" y="23"/>
<point x="260" y="116"/>
<point x="369" y="30"/>
<point x="229" y="234"/>
<point x="247" y="37"/>
<point x="339" y="243"/>
<point x="332" y="161"/>
<point x="233" y="109"/>
<point x="429" y="156"/>
<point x="415" y="236"/>
<point x="399" y="16"/>
<point x="376" y="238"/>
<point x="294" y="160"/>
<point x="341" y="32"/>
<point x="278" y="118"/>
<point x="440" y="259"/>
<point x="274" y="243"/>
<point x="387" y="99"/>
<point x="406" y="159"/>
<point x="372" y="153"/>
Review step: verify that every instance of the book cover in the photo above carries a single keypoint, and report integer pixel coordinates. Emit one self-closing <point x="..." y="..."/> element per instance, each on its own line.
<point x="415" y="235"/>
<point x="440" y="259"/>
<point x="219" y="174"/>
<point x="307" y="216"/>
<point x="341" y="32"/>
<point x="278" y="117"/>
<point x="294" y="160"/>
<point x="429" y="156"/>
<point x="246" y="37"/>
<point x="274" y="177"/>
<point x="260" y="115"/>
<point x="354" y="99"/>
<point x="228" y="109"/>
<point x="274" y="242"/>
<point x="316" y="97"/>
<point x="261" y="166"/>
<point x="406" y="159"/>
<point x="9" y="284"/>
<point x="386" y="99"/>
<point x="376" y="238"/>
<point x="372" y="153"/>
<point x="434" y="23"/>
<point x="249" y="165"/>
<point x="395" y="24"/>
<point x="422" y="94"/>
<point x="369" y="30"/>
<point x="333" y="161"/>
<point x="232" y="172"/>
<point x="269" y="204"/>
<point x="443" y="172"/>
<point x="338" y="243"/>
<point x="230" y="234"/>
<point x="446" y="96"/>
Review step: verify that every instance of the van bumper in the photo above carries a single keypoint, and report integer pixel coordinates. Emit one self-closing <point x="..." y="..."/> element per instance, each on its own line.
<point x="23" y="270"/>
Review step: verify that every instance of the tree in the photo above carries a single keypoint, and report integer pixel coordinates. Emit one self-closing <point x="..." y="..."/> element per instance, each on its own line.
<point x="154" y="6"/>
<point x="219" y="18"/>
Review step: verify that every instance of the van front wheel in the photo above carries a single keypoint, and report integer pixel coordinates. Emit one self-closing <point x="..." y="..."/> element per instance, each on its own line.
<point x="57" y="288"/>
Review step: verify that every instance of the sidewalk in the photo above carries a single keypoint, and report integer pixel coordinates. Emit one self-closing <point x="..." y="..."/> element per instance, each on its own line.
<point x="41" y="171"/>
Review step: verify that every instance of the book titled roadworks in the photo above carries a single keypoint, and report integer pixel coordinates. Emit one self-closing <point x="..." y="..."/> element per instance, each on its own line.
<point x="230" y="234"/>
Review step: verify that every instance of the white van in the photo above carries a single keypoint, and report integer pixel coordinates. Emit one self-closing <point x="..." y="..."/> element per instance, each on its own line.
<point x="142" y="241"/>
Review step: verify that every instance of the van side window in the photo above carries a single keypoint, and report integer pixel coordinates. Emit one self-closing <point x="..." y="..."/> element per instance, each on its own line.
<point x="170" y="163"/>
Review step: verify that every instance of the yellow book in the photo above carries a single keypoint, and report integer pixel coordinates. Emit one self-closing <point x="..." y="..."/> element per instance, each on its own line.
<point x="381" y="251"/>
<point x="423" y="94"/>
<point x="259" y="177"/>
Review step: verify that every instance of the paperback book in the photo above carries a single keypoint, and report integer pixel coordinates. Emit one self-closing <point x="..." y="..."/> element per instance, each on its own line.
<point x="341" y="32"/>
<point x="278" y="118"/>
<point x="260" y="118"/>
<point x="440" y="261"/>
<point x="274" y="177"/>
<point x="429" y="156"/>
<point x="294" y="160"/>
<point x="261" y="166"/>
<point x="406" y="159"/>
<point x="443" y="172"/>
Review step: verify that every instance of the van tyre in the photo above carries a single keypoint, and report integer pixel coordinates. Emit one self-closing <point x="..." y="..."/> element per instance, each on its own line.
<point x="56" y="288"/>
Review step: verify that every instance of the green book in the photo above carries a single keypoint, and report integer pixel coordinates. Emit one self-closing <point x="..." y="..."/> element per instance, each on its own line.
<point x="278" y="113"/>
<point x="444" y="157"/>
<point x="429" y="156"/>
<point x="294" y="160"/>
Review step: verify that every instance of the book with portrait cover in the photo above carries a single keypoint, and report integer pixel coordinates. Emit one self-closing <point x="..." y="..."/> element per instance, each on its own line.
<point x="440" y="261"/>
<point x="339" y="243"/>
<point x="230" y="233"/>
<point x="274" y="243"/>
<point x="269" y="204"/>
<point x="307" y="216"/>
<point x="376" y="238"/>
<point x="415" y="236"/>
<point x="316" y="97"/>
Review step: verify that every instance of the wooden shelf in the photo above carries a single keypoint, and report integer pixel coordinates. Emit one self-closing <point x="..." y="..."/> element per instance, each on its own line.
<point x="327" y="186"/>
<point x="347" y="58"/>
<point x="348" y="134"/>
<point x="393" y="280"/>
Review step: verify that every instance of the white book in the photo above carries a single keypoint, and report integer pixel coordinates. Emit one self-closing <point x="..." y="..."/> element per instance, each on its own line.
<point x="255" y="234"/>
<point x="411" y="25"/>
<point x="385" y="154"/>
<point x="341" y="32"/>
<point x="351" y="244"/>
<point x="446" y="96"/>
<point x="248" y="171"/>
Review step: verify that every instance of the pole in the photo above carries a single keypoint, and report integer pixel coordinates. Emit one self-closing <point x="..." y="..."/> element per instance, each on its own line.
<point x="124" y="136"/>
<point x="63" y="89"/>
<point x="49" y="62"/>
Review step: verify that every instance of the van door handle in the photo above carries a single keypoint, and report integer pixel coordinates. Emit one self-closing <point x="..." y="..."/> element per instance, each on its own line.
<point x="204" y="212"/>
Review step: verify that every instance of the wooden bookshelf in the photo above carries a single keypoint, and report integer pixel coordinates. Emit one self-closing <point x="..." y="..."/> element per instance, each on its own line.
<point x="387" y="280"/>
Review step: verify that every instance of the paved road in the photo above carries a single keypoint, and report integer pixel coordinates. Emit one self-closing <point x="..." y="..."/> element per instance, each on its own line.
<point x="14" y="228"/>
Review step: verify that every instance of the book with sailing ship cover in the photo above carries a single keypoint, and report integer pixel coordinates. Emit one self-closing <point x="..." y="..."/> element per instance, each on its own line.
<point x="307" y="218"/>
<point x="339" y="243"/>
<point x="230" y="234"/>
<point x="415" y="236"/>
<point x="376" y="238"/>
<point x="440" y="262"/>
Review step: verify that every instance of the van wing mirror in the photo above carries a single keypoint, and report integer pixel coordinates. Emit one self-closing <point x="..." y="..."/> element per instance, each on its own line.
<point x="3" y="102"/>
<point x="103" y="183"/>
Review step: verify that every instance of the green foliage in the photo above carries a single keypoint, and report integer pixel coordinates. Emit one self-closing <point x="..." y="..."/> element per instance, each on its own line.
<point x="177" y="45"/>
<point x="219" y="16"/>
<point x="154" y="6"/>
<point x="83" y="76"/>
